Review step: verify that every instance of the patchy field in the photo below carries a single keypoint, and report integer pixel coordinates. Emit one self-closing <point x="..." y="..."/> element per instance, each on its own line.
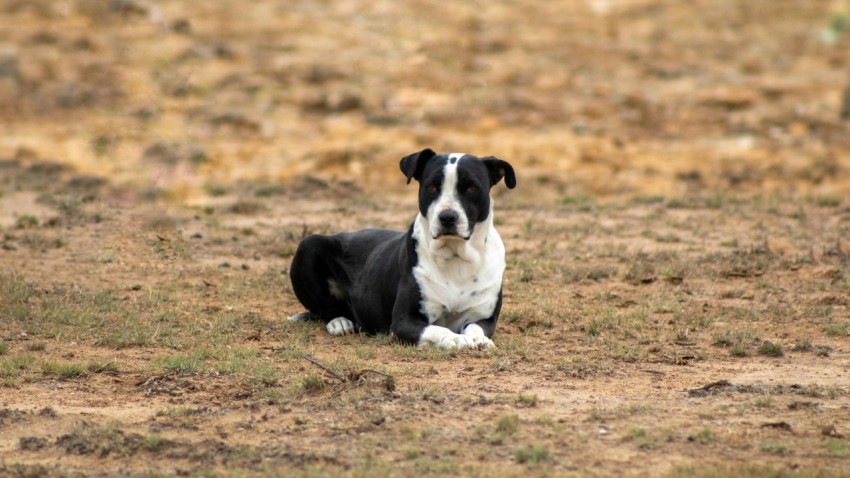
<point x="678" y="283"/>
<point x="643" y="336"/>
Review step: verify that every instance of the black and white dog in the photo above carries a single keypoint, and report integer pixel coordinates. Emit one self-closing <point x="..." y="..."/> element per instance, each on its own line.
<point x="440" y="283"/>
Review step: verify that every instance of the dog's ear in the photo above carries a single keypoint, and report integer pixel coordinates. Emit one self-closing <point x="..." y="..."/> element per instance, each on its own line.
<point x="413" y="164"/>
<point x="499" y="169"/>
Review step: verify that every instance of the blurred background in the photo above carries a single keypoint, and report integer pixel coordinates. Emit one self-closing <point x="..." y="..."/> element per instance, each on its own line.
<point x="584" y="97"/>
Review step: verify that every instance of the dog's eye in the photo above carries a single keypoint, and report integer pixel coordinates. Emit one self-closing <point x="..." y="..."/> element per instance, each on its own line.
<point x="471" y="189"/>
<point x="431" y="188"/>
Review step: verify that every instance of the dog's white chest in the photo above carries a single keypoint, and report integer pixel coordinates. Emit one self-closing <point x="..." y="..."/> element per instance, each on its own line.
<point x="460" y="286"/>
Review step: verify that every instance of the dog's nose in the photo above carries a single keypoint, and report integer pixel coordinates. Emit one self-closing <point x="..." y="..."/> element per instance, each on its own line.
<point x="448" y="218"/>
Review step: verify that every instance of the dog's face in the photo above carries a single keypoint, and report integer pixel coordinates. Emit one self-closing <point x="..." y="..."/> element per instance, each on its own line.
<point x="454" y="189"/>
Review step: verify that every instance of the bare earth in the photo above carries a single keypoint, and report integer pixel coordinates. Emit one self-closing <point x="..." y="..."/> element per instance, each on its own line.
<point x="678" y="270"/>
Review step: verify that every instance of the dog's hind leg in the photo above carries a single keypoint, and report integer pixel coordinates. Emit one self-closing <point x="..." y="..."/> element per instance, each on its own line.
<point x="320" y="282"/>
<point x="301" y="317"/>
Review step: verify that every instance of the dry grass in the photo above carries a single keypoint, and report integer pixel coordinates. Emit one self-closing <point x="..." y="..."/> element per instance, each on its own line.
<point x="678" y="263"/>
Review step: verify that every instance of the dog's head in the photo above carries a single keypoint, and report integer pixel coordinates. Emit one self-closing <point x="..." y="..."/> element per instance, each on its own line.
<point x="454" y="189"/>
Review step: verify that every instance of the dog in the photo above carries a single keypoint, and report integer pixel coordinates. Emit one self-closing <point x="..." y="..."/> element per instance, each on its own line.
<point x="438" y="284"/>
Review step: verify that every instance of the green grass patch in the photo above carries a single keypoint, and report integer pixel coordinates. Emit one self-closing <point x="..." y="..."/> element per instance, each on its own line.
<point x="63" y="370"/>
<point x="703" y="436"/>
<point x="765" y="401"/>
<point x="774" y="448"/>
<point x="181" y="363"/>
<point x="312" y="384"/>
<point x="531" y="455"/>
<point x="581" y="200"/>
<point x="262" y="376"/>
<point x="835" y="329"/>
<point x="26" y="221"/>
<point x="131" y="331"/>
<point x="270" y="190"/>
<point x="178" y="412"/>
<point x="15" y="363"/>
<point x="12" y="368"/>
<point x="770" y="349"/>
<point x="102" y="366"/>
<point x="642" y="438"/>
<point x="828" y="201"/>
<point x="837" y="447"/>
<point x="99" y="440"/>
<point x="643" y="200"/>
<point x="526" y="400"/>
<point x="507" y="424"/>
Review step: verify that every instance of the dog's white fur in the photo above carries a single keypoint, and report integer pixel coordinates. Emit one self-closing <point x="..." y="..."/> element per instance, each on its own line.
<point x="340" y="326"/>
<point x="459" y="279"/>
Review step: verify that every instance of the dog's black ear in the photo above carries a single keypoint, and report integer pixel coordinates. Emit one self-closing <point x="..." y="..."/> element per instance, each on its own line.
<point x="413" y="164"/>
<point x="499" y="169"/>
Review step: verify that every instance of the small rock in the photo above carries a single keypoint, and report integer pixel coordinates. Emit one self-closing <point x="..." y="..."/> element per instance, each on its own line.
<point x="785" y="426"/>
<point x="830" y="431"/>
<point x="182" y="26"/>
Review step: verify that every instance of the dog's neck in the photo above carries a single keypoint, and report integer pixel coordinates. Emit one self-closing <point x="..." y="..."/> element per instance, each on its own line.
<point x="450" y="252"/>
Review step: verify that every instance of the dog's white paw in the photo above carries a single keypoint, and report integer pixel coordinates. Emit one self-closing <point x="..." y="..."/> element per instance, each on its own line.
<point x="483" y="343"/>
<point x="302" y="317"/>
<point x="456" y="341"/>
<point x="340" y="326"/>
<point x="473" y="338"/>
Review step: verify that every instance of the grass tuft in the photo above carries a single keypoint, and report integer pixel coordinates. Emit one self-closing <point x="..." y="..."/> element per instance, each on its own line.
<point x="63" y="370"/>
<point x="704" y="436"/>
<point x="507" y="424"/>
<point x="526" y="400"/>
<point x="836" y="329"/>
<point x="312" y="384"/>
<point x="774" y="448"/>
<point x="770" y="349"/>
<point x="642" y="438"/>
<point x="181" y="363"/>
<point x="531" y="455"/>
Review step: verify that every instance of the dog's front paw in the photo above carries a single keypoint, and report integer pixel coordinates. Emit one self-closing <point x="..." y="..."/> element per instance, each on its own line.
<point x="473" y="338"/>
<point x="483" y="343"/>
<point x="340" y="326"/>
<point x="456" y="341"/>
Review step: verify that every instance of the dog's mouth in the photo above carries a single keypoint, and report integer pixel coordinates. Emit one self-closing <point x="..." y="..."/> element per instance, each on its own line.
<point x="451" y="235"/>
<point x="451" y="230"/>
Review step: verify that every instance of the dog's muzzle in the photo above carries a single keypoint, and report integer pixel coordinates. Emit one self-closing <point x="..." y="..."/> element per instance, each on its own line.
<point x="448" y="219"/>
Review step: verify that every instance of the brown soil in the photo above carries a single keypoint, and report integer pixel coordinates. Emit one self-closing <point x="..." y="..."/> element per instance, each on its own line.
<point x="676" y="299"/>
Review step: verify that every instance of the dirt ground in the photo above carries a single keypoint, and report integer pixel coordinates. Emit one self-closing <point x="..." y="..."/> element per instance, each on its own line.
<point x="678" y="246"/>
